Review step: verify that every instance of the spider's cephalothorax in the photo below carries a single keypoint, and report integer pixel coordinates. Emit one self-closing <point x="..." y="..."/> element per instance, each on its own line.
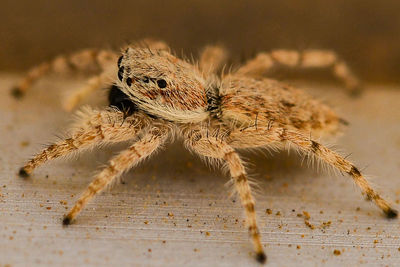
<point x="156" y="95"/>
<point x="162" y="85"/>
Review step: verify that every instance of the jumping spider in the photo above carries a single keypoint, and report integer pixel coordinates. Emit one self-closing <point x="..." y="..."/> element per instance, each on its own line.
<point x="154" y="95"/>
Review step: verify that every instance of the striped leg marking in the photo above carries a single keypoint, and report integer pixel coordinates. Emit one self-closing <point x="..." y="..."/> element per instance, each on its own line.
<point x="117" y="166"/>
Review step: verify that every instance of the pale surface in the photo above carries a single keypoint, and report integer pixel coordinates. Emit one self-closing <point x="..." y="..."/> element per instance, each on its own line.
<point x="174" y="211"/>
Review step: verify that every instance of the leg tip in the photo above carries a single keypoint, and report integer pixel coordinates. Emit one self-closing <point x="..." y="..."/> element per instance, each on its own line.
<point x="391" y="213"/>
<point x="17" y="93"/>
<point x="261" y="257"/>
<point x="23" y="173"/>
<point x="66" y="221"/>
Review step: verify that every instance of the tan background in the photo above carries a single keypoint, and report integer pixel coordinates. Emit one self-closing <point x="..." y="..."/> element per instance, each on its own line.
<point x="364" y="32"/>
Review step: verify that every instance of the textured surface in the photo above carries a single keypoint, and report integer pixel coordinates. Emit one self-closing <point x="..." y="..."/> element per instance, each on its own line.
<point x="173" y="210"/>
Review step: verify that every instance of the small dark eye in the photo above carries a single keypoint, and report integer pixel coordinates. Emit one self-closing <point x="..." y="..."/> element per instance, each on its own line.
<point x="119" y="61"/>
<point x="146" y="79"/>
<point x="161" y="83"/>
<point x="128" y="81"/>
<point x="120" y="72"/>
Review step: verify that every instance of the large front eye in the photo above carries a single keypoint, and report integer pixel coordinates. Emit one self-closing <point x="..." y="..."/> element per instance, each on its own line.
<point x="161" y="83"/>
<point x="128" y="81"/>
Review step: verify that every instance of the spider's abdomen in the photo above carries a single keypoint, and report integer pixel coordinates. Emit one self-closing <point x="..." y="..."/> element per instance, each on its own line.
<point x="247" y="101"/>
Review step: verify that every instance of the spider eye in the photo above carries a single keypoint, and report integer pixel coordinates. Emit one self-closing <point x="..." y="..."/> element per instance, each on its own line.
<point x="146" y="79"/>
<point x="120" y="72"/>
<point x="128" y="81"/>
<point x="119" y="61"/>
<point x="162" y="83"/>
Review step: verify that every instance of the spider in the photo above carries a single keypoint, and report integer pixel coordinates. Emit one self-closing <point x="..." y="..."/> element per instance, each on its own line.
<point x="155" y="96"/>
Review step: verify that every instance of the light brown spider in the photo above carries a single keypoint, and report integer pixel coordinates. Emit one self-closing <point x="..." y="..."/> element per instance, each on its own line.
<point x="155" y="96"/>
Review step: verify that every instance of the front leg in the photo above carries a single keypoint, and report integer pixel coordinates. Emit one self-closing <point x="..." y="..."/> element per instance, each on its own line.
<point x="92" y="128"/>
<point x="93" y="84"/>
<point x="210" y="146"/>
<point x="117" y="166"/>
<point x="86" y="61"/>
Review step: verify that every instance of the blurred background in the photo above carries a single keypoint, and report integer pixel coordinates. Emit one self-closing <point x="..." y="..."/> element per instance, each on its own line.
<point x="366" y="33"/>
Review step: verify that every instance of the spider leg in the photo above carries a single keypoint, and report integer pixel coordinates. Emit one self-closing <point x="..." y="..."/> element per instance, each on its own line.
<point x="212" y="147"/>
<point x="93" y="128"/>
<point x="212" y="58"/>
<point x="262" y="136"/>
<point x="307" y="59"/>
<point x="87" y="60"/>
<point x="153" y="44"/>
<point x="93" y="84"/>
<point x="116" y="167"/>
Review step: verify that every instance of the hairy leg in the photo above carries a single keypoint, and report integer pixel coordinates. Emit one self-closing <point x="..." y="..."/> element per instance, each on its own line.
<point x="212" y="147"/>
<point x="88" y="60"/>
<point x="92" y="128"/>
<point x="117" y="166"/>
<point x="264" y="62"/>
<point x="94" y="83"/>
<point x="212" y="59"/>
<point x="152" y="44"/>
<point x="260" y="136"/>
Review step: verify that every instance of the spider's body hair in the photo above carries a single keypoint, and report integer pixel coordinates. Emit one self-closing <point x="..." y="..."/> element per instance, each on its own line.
<point x="182" y="99"/>
<point x="157" y="96"/>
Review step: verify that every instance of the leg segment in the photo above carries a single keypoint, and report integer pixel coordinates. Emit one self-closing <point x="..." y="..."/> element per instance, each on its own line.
<point x="264" y="62"/>
<point x="117" y="166"/>
<point x="212" y="58"/>
<point x="208" y="146"/>
<point x="95" y="83"/>
<point x="88" y="60"/>
<point x="273" y="135"/>
<point x="334" y="159"/>
<point x="93" y="128"/>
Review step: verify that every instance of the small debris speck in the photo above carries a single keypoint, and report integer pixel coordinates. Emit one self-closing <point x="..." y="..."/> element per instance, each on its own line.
<point x="336" y="252"/>
<point x="309" y="224"/>
<point x="268" y="211"/>
<point x="24" y="143"/>
<point x="306" y="215"/>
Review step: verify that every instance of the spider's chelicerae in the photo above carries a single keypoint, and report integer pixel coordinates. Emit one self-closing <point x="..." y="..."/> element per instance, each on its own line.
<point x="154" y="95"/>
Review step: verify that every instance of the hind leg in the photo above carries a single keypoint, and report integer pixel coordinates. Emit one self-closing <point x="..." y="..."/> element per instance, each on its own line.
<point x="262" y="136"/>
<point x="307" y="59"/>
<point x="212" y="58"/>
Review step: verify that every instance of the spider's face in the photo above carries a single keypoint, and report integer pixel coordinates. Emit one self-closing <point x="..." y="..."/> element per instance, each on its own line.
<point x="162" y="85"/>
